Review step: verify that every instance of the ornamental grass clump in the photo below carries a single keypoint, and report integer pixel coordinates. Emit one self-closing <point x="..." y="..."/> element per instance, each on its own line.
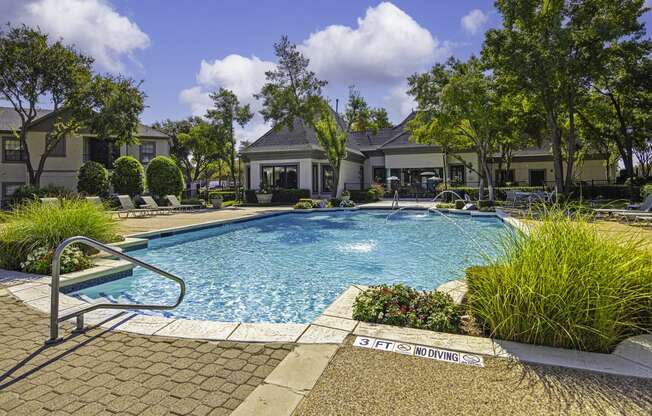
<point x="33" y="226"/>
<point x="403" y="306"/>
<point x="564" y="285"/>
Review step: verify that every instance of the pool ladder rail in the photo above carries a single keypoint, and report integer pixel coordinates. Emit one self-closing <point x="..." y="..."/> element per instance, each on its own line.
<point x="78" y="314"/>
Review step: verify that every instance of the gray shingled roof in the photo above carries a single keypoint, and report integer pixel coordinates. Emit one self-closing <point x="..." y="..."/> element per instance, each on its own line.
<point x="10" y="120"/>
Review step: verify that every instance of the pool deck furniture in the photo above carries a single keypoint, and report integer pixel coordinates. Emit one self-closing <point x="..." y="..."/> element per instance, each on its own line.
<point x="151" y="204"/>
<point x="179" y="206"/>
<point x="128" y="207"/>
<point x="645" y="206"/>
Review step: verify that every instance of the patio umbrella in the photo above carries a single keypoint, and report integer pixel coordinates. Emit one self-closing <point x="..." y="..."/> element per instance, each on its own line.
<point x="429" y="174"/>
<point x="392" y="178"/>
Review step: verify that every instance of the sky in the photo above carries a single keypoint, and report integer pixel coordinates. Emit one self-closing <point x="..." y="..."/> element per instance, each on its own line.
<point x="183" y="49"/>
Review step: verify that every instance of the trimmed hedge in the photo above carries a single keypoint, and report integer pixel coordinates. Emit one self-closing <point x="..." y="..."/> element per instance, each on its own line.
<point x="30" y="193"/>
<point x="93" y="179"/>
<point x="164" y="177"/>
<point x="646" y="190"/>
<point x="128" y="176"/>
<point x="588" y="191"/>
<point x="226" y="195"/>
<point x="289" y="196"/>
<point x="500" y="192"/>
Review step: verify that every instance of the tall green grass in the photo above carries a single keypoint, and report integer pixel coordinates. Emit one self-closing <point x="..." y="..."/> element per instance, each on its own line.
<point x="564" y="285"/>
<point x="32" y="225"/>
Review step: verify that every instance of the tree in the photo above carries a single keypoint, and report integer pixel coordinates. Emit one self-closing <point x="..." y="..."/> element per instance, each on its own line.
<point x="333" y="140"/>
<point x="360" y="117"/>
<point x="164" y="177"/>
<point x="180" y="151"/>
<point x="35" y="71"/>
<point x="227" y="111"/>
<point x="291" y="91"/>
<point x="202" y="146"/>
<point x="643" y="154"/>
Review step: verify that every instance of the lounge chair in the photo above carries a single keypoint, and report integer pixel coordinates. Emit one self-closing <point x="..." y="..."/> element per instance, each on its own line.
<point x="128" y="207"/>
<point x="51" y="201"/>
<point x="151" y="204"/>
<point x="645" y="206"/>
<point x="178" y="205"/>
<point x="95" y="200"/>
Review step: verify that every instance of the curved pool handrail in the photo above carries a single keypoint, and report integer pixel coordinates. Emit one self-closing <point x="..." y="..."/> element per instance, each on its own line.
<point x="55" y="319"/>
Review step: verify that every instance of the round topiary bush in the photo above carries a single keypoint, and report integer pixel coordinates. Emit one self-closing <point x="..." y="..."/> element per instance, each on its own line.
<point x="128" y="176"/>
<point x="164" y="177"/>
<point x="93" y="179"/>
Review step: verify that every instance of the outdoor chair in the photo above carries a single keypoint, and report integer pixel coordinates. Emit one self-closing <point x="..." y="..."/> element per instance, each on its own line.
<point x="645" y="206"/>
<point x="128" y="207"/>
<point x="151" y="204"/>
<point x="178" y="205"/>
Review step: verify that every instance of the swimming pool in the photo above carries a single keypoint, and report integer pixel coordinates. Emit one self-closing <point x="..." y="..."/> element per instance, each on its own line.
<point x="290" y="267"/>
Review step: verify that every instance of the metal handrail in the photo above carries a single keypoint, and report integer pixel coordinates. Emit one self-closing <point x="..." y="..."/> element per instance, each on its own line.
<point x="79" y="313"/>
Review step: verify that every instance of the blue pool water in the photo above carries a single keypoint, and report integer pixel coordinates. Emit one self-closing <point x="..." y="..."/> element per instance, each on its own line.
<point x="290" y="267"/>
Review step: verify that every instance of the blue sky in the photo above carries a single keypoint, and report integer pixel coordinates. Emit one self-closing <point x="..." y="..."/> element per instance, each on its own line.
<point x="184" y="49"/>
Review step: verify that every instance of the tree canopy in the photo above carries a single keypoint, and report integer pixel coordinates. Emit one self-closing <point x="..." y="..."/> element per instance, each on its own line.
<point x="360" y="117"/>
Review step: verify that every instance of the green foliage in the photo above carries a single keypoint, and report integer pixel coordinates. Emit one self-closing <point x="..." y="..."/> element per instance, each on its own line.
<point x="164" y="177"/>
<point x="304" y="205"/>
<point x="37" y="72"/>
<point x="292" y="91"/>
<point x="225" y="195"/>
<point x="93" y="179"/>
<point x="128" y="176"/>
<point x="289" y="196"/>
<point x="373" y="194"/>
<point x="30" y="193"/>
<point x="332" y="140"/>
<point x="403" y="306"/>
<point x="459" y="203"/>
<point x="360" y="117"/>
<point x="34" y="225"/>
<point x="72" y="259"/>
<point x="564" y="285"/>
<point x="183" y="149"/>
<point x="646" y="190"/>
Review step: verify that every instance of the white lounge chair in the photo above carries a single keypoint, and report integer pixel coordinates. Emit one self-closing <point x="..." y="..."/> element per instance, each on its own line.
<point x="151" y="204"/>
<point x="645" y="206"/>
<point x="51" y="201"/>
<point x="178" y="205"/>
<point x="128" y="207"/>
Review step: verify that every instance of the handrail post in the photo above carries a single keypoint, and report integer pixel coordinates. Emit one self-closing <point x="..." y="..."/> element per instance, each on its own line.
<point x="54" y="295"/>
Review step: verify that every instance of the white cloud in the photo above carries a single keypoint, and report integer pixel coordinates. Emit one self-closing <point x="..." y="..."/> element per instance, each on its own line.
<point x="398" y="102"/>
<point x="93" y="26"/>
<point x="386" y="45"/>
<point x="473" y="21"/>
<point x="244" y="76"/>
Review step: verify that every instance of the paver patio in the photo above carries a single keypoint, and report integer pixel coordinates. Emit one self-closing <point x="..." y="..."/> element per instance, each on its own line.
<point x="105" y="372"/>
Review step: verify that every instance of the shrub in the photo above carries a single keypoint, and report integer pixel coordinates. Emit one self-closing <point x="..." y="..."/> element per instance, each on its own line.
<point x="226" y="195"/>
<point x="361" y="197"/>
<point x="459" y="203"/>
<point x="250" y="196"/>
<point x="93" y="179"/>
<point x="590" y="191"/>
<point x="164" y="177"/>
<point x="403" y="306"/>
<point x="289" y="196"/>
<point x="563" y="285"/>
<point x="303" y="205"/>
<point x="27" y="193"/>
<point x="646" y="190"/>
<point x="39" y="261"/>
<point x="128" y="176"/>
<point x="376" y="192"/>
<point x="344" y="204"/>
<point x="34" y="225"/>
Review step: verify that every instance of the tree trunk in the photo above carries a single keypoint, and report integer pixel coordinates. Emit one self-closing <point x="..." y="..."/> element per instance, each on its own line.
<point x="34" y="180"/>
<point x="336" y="179"/>
<point x="555" y="139"/>
<point x="571" y="143"/>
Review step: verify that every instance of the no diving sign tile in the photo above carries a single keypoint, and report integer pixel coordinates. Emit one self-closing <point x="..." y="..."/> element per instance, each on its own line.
<point x="419" y="351"/>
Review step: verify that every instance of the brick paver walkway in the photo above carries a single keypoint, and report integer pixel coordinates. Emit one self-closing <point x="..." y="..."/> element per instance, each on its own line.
<point x="104" y="372"/>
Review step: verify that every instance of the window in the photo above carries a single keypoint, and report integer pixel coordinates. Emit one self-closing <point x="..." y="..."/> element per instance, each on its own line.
<point x="12" y="150"/>
<point x="457" y="174"/>
<point x="8" y="188"/>
<point x="537" y="177"/>
<point x="326" y="178"/>
<point x="147" y="152"/>
<point x="361" y="175"/>
<point x="380" y="175"/>
<point x="59" y="149"/>
<point x="100" y="151"/>
<point x="280" y="176"/>
<point x="315" y="178"/>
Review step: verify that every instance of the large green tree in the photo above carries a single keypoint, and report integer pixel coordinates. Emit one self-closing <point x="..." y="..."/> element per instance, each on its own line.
<point x="180" y="152"/>
<point x="205" y="147"/>
<point x="226" y="112"/>
<point x="333" y="140"/>
<point x="291" y="90"/>
<point x="35" y="72"/>
<point x="360" y="117"/>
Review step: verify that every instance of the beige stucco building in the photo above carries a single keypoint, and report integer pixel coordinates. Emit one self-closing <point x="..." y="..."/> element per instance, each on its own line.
<point x="293" y="159"/>
<point x="65" y="160"/>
